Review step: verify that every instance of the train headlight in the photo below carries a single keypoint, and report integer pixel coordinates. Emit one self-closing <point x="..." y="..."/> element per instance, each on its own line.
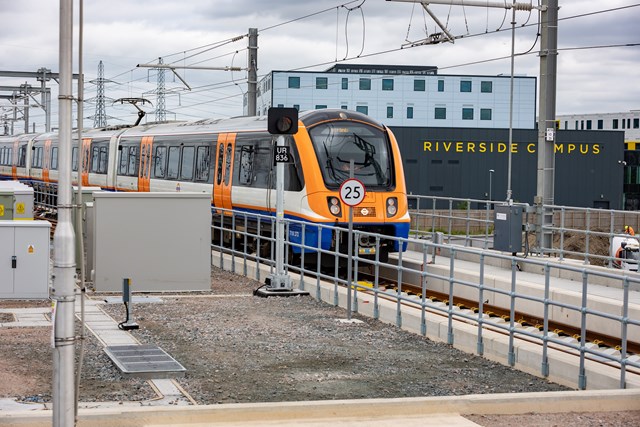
<point x="392" y="206"/>
<point x="334" y="206"/>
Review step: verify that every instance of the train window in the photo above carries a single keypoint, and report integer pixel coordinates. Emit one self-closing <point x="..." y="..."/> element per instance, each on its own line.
<point x="219" y="165"/>
<point x="74" y="158"/>
<point x="246" y="165"/>
<point x="202" y="164"/>
<point x="186" y="166"/>
<point x="22" y="156"/>
<point x="104" y="160"/>
<point x="160" y="160"/>
<point x="227" y="168"/>
<point x="132" y="169"/>
<point x="124" y="161"/>
<point x="95" y="155"/>
<point x="54" y="158"/>
<point x="174" y="162"/>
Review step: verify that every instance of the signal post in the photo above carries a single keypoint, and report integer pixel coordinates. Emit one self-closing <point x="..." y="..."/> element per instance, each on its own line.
<point x="281" y="121"/>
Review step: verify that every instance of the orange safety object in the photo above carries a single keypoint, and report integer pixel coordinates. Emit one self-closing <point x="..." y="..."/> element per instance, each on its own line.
<point x="629" y="230"/>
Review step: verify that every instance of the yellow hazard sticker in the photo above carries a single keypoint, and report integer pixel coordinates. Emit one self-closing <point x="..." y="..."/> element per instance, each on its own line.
<point x="20" y="208"/>
<point x="1" y="210"/>
<point x="30" y="249"/>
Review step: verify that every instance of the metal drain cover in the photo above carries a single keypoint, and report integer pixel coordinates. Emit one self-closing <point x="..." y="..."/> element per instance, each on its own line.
<point x="145" y="361"/>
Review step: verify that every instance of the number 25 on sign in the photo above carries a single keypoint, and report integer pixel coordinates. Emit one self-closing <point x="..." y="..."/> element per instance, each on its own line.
<point x="352" y="192"/>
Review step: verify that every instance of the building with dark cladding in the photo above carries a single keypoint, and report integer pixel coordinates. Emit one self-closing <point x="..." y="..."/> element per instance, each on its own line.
<point x="455" y="162"/>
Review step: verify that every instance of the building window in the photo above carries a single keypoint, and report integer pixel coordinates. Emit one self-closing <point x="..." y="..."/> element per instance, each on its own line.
<point x="486" y="87"/>
<point x="467" y="114"/>
<point x="623" y="123"/>
<point x="362" y="109"/>
<point x="588" y="124"/>
<point x="344" y="107"/>
<point x="409" y="112"/>
<point x="566" y="124"/>
<point x="440" y="85"/>
<point x="322" y="83"/>
<point x="615" y="124"/>
<point x="636" y="123"/>
<point x="320" y="107"/>
<point x="418" y="85"/>
<point x="465" y="85"/>
<point x="581" y="124"/>
<point x="345" y="83"/>
<point x="600" y="124"/>
<point x="576" y="125"/>
<point x="365" y="83"/>
<point x="440" y="113"/>
<point x="389" y="112"/>
<point x="280" y="105"/>
<point x="485" y="114"/>
<point x="294" y="82"/>
<point x="387" y="84"/>
<point x="296" y="106"/>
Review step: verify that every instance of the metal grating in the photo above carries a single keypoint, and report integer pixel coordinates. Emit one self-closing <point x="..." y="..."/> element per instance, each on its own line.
<point x="146" y="361"/>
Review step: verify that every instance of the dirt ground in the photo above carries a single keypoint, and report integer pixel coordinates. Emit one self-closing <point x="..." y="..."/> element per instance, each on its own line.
<point x="240" y="348"/>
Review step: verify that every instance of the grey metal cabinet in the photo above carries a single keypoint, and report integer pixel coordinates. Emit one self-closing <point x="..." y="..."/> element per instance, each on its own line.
<point x="24" y="259"/>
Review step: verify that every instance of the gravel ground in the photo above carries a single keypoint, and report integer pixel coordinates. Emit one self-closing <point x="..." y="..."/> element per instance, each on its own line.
<point x="240" y="348"/>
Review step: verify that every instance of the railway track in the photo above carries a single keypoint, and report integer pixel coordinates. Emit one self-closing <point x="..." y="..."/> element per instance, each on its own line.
<point x="524" y="319"/>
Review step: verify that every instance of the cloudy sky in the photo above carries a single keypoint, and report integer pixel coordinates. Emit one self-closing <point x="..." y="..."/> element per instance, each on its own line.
<point x="595" y="73"/>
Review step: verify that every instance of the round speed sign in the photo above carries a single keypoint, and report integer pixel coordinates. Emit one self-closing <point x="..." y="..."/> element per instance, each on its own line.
<point x="352" y="192"/>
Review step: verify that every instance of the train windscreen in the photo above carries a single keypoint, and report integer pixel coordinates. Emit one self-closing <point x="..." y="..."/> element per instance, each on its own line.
<point x="337" y="143"/>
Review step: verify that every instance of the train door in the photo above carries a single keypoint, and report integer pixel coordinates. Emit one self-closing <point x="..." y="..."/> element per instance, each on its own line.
<point x="86" y="156"/>
<point x="46" y="165"/>
<point x="222" y="180"/>
<point x="144" y="171"/>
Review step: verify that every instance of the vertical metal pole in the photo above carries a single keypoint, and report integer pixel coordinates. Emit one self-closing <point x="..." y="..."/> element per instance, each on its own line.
<point x="450" y="309"/>
<point x="546" y="119"/>
<point x="423" y="315"/>
<point x="623" y="333"/>
<point x="511" y="355"/>
<point x="349" y="248"/>
<point x="64" y="240"/>
<point x="582" y="377"/>
<point x="252" y="67"/>
<point x="480" y="343"/>
<point x="545" y="326"/>
<point x="513" y="46"/>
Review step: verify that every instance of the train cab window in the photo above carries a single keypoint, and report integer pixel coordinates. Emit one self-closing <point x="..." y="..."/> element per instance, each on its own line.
<point x="202" y="164"/>
<point x="54" y="158"/>
<point x="74" y="158"/>
<point x="227" y="168"/>
<point x="160" y="162"/>
<point x="95" y="156"/>
<point x="246" y="165"/>
<point x="104" y="160"/>
<point x="99" y="159"/>
<point x="219" y="164"/>
<point x="124" y="161"/>
<point x="132" y="169"/>
<point x="36" y="162"/>
<point x="186" y="165"/>
<point x="22" y="156"/>
<point x="174" y="162"/>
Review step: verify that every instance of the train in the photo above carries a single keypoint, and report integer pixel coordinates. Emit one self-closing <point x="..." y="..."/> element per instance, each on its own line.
<point x="233" y="160"/>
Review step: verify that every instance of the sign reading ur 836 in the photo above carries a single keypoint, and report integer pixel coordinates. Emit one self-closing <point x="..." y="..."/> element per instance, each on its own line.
<point x="282" y="154"/>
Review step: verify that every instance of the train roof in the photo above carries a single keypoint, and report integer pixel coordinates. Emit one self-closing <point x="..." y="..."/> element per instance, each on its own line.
<point x="235" y="124"/>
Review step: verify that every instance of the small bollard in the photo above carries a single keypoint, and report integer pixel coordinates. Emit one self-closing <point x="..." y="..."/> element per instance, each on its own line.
<point x="128" y="323"/>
